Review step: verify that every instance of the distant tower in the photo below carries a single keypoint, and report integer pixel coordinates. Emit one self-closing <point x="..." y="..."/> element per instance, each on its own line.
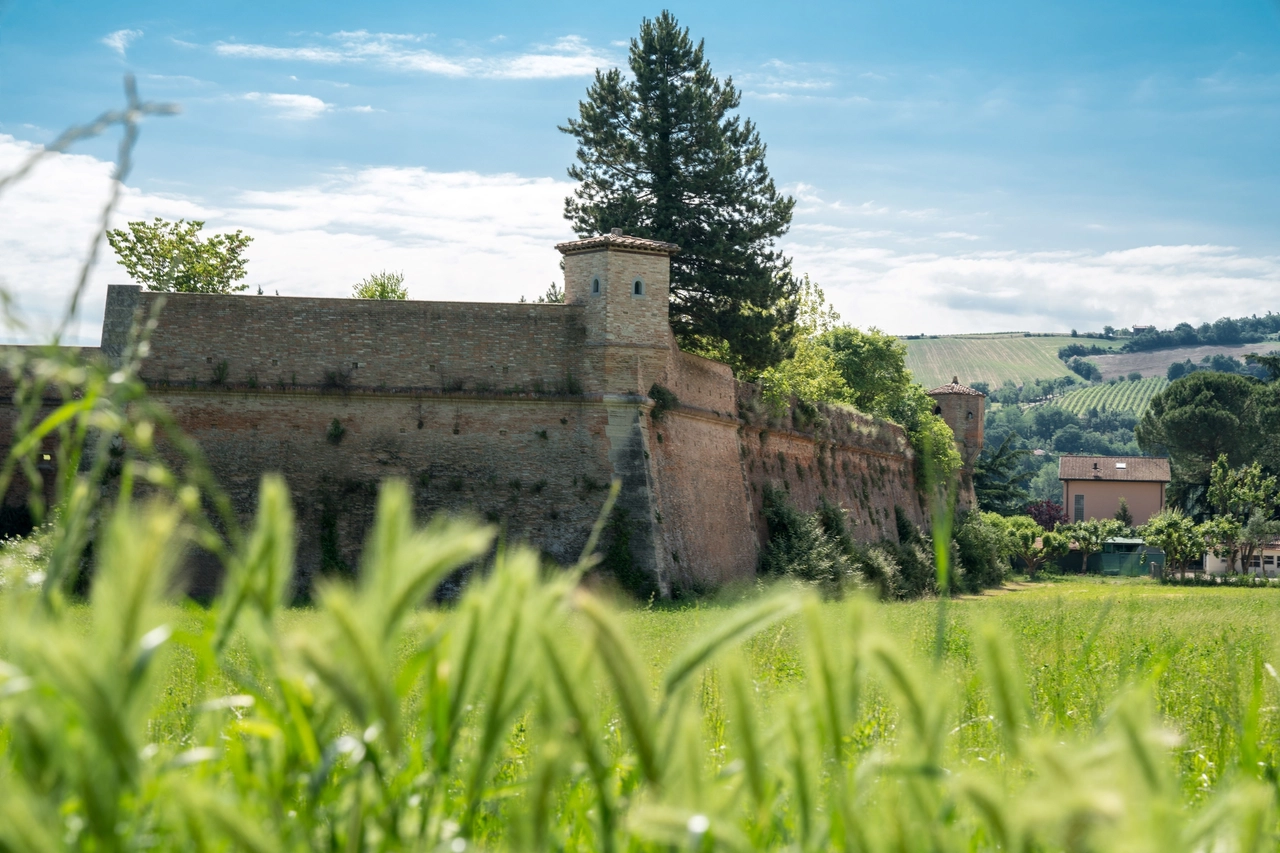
<point x="962" y="408"/>
<point x="623" y="283"/>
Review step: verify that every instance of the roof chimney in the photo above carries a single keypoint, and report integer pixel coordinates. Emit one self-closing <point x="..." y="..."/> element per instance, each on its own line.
<point x="617" y="232"/>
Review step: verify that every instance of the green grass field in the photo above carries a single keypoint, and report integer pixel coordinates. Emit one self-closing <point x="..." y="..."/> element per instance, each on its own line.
<point x="1128" y="397"/>
<point x="990" y="358"/>
<point x="1086" y="714"/>
<point x="1081" y="642"/>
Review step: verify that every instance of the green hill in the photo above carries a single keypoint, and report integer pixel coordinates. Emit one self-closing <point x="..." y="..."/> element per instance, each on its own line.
<point x="1130" y="397"/>
<point x="990" y="358"/>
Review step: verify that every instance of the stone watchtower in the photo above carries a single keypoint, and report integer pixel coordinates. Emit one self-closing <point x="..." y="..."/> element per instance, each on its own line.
<point x="623" y="283"/>
<point x="962" y="408"/>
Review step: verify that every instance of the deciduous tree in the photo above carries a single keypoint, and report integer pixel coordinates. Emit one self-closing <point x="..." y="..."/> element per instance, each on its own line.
<point x="873" y="364"/>
<point x="1090" y="535"/>
<point x="1029" y="541"/>
<point x="381" y="285"/>
<point x="1178" y="536"/>
<point x="173" y="257"/>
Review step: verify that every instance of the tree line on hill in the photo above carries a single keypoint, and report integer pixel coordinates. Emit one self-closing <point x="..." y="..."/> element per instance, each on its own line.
<point x="1225" y="331"/>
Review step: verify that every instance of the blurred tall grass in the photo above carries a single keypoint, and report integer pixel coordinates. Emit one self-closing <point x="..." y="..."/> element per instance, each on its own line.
<point x="527" y="716"/>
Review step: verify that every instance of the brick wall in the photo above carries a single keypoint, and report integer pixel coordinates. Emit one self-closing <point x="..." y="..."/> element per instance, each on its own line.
<point x="520" y="414"/>
<point x="538" y="467"/>
<point x="287" y="341"/>
<point x="862" y="464"/>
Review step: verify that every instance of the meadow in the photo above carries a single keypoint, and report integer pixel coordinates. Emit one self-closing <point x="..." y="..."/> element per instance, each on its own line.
<point x="1071" y="715"/>
<point x="992" y="358"/>
<point x="1127" y="397"/>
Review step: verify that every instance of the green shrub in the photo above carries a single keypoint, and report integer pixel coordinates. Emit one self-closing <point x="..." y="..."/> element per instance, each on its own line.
<point x="980" y="546"/>
<point x="799" y="546"/>
<point x="664" y="400"/>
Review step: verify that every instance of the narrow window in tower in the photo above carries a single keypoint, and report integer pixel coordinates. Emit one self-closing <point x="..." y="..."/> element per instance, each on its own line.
<point x="595" y="285"/>
<point x="637" y="288"/>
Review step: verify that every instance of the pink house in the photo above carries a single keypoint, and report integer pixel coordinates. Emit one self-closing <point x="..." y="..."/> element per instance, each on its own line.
<point x="1092" y="486"/>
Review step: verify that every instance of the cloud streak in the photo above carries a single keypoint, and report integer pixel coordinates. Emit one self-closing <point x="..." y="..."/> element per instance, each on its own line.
<point x="569" y="56"/>
<point x="120" y="40"/>
<point x="292" y="107"/>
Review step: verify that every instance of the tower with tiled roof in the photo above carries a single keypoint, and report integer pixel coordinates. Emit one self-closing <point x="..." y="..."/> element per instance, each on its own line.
<point x="962" y="408"/>
<point x="623" y="283"/>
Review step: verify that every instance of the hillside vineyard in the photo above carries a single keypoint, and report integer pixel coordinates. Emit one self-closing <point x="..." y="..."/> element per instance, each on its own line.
<point x="521" y="413"/>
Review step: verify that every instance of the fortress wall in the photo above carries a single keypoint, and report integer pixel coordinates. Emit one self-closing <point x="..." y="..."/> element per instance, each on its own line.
<point x="707" y="527"/>
<point x="862" y="464"/>
<point x="279" y="341"/>
<point x="483" y="455"/>
<point x="700" y="382"/>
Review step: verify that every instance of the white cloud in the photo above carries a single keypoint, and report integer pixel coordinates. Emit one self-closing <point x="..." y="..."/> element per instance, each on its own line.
<point x="468" y="236"/>
<point x="943" y="291"/>
<point x="957" y="235"/>
<point x="569" y="56"/>
<point x="120" y="40"/>
<point x="456" y="235"/>
<point x="294" y="107"/>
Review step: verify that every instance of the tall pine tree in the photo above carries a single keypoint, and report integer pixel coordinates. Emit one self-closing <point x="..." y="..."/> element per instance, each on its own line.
<point x="663" y="156"/>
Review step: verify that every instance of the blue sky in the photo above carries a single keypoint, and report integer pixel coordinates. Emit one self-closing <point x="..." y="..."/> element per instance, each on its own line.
<point x="959" y="166"/>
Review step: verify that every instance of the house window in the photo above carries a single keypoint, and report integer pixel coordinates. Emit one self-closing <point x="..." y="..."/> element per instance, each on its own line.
<point x="595" y="284"/>
<point x="637" y="287"/>
<point x="1079" y="508"/>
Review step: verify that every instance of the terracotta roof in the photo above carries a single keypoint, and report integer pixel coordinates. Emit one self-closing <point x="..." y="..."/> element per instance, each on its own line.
<point x="954" y="387"/>
<point x="617" y="240"/>
<point x="1132" y="469"/>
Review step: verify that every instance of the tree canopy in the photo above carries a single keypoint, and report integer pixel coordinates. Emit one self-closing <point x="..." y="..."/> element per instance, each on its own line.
<point x="1199" y="418"/>
<point x="381" y="285"/>
<point x="664" y="155"/>
<point x="172" y="256"/>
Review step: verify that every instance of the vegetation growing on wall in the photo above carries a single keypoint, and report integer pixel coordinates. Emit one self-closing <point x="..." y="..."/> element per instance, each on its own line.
<point x="816" y="550"/>
<point x="840" y="364"/>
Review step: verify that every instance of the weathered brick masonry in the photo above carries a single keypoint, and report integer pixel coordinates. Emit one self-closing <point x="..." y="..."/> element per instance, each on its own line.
<point x="519" y="413"/>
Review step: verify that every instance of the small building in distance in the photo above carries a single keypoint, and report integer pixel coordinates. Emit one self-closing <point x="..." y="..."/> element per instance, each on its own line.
<point x="1092" y="486"/>
<point x="1265" y="563"/>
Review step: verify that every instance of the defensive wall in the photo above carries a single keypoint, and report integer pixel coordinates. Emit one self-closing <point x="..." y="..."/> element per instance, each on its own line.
<point x="519" y="413"/>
